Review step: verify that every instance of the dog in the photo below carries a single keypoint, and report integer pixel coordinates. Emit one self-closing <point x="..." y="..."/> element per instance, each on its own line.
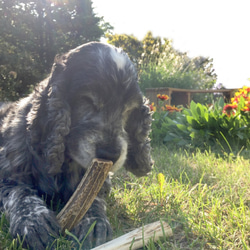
<point x="89" y="107"/>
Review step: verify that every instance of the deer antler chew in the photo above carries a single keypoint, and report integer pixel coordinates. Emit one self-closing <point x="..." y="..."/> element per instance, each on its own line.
<point x="84" y="195"/>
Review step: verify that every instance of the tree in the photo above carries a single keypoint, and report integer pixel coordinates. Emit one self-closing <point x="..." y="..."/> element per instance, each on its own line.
<point x="33" y="32"/>
<point x="160" y="65"/>
<point x="130" y="44"/>
<point x="139" y="52"/>
<point x="153" y="47"/>
<point x="172" y="68"/>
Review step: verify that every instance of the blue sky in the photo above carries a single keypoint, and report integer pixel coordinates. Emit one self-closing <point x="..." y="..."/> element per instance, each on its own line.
<point x="216" y="28"/>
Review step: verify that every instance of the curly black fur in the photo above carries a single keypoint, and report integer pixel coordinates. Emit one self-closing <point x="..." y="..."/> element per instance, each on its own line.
<point x="89" y="107"/>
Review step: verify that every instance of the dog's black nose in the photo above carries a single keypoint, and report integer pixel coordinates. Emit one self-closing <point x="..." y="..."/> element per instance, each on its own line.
<point x="108" y="153"/>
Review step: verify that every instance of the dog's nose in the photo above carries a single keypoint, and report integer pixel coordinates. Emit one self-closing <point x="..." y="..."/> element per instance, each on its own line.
<point x="108" y="153"/>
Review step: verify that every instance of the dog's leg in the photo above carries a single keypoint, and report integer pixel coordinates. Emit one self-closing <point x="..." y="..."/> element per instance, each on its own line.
<point x="28" y="215"/>
<point x="102" y="231"/>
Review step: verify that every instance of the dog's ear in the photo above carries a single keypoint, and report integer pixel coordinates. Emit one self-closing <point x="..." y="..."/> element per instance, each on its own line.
<point x="57" y="127"/>
<point x="138" y="127"/>
<point x="58" y="120"/>
<point x="51" y="121"/>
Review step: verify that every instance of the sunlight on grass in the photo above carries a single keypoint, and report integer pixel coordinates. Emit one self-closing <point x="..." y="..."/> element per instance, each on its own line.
<point x="205" y="200"/>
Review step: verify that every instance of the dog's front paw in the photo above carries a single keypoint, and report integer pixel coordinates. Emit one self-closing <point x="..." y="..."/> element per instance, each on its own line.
<point x="38" y="230"/>
<point x="101" y="232"/>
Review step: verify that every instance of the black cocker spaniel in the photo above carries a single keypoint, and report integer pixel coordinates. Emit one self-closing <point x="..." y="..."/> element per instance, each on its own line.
<point x="89" y="107"/>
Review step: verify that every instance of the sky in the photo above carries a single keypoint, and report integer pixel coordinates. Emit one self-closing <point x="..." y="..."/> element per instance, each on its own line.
<point x="218" y="29"/>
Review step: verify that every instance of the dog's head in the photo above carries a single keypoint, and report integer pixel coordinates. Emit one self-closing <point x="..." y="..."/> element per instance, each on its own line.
<point x="95" y="109"/>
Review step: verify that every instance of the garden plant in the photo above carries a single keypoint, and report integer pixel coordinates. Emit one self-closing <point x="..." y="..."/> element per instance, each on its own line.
<point x="221" y="127"/>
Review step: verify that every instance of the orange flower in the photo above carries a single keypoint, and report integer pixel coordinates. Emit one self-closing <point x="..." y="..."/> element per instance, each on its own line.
<point x="152" y="107"/>
<point x="229" y="109"/>
<point x="247" y="103"/>
<point x="246" y="89"/>
<point x="246" y="108"/>
<point x="162" y="97"/>
<point x="172" y="108"/>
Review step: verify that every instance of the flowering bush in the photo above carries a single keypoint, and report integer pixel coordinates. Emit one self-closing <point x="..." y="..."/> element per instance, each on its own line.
<point x="240" y="102"/>
<point x="242" y="94"/>
<point x="163" y="97"/>
<point x="172" y="108"/>
<point x="219" y="127"/>
<point x="229" y="109"/>
<point x="163" y="118"/>
<point x="152" y="107"/>
<point x="163" y="106"/>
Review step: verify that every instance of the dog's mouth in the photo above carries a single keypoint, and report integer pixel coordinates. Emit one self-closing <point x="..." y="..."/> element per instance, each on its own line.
<point x="109" y="154"/>
<point x="115" y="152"/>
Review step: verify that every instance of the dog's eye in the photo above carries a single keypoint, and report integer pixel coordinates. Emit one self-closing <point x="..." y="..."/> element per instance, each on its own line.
<point x="87" y="101"/>
<point x="90" y="103"/>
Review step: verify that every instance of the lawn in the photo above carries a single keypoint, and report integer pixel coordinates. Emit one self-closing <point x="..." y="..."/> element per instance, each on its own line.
<point x="205" y="199"/>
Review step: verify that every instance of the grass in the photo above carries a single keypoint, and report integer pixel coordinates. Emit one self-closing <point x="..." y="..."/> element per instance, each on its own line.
<point x="205" y="200"/>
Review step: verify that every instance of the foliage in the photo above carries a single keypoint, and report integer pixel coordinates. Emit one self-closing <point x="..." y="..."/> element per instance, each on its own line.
<point x="240" y="102"/>
<point x="130" y="44"/>
<point x="165" y="128"/>
<point x="138" y="51"/>
<point x="175" y="69"/>
<point x="204" y="127"/>
<point x="160" y="65"/>
<point x="33" y="32"/>
<point x="153" y="47"/>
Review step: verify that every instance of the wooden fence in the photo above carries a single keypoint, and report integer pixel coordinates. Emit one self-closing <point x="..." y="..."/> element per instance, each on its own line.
<point x="183" y="96"/>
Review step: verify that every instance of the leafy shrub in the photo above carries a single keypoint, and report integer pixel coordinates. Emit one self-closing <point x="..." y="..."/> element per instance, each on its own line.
<point x="202" y="126"/>
<point x="166" y="67"/>
<point x="167" y="119"/>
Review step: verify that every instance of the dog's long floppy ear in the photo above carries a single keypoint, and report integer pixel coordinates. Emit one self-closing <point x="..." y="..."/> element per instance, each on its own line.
<point x="138" y="127"/>
<point x="58" y="124"/>
<point x="51" y="122"/>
